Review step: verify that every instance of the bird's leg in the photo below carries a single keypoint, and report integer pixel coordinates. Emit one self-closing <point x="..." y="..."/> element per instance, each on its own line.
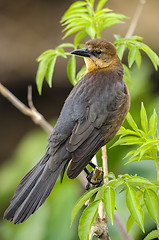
<point x="89" y="176"/>
<point x="95" y="177"/>
<point x="92" y="165"/>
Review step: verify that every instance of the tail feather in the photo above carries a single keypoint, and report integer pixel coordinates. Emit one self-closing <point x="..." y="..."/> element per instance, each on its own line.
<point x="32" y="192"/>
<point x="30" y="178"/>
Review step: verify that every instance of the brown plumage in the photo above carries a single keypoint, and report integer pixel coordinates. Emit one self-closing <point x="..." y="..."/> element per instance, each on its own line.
<point x="91" y="116"/>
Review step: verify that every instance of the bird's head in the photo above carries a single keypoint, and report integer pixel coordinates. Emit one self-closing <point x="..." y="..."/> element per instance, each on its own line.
<point x="98" y="54"/>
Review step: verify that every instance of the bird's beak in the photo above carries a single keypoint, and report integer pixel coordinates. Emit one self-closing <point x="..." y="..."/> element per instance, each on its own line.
<point x="81" y="52"/>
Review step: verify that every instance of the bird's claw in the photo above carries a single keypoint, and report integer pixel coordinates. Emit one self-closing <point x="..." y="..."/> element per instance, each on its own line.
<point x="95" y="178"/>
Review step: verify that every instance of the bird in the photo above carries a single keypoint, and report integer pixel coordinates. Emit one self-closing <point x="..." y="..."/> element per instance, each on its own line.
<point x="91" y="116"/>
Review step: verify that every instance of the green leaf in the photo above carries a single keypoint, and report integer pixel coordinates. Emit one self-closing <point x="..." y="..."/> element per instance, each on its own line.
<point x="43" y="65"/>
<point x="143" y="117"/>
<point x="117" y="37"/>
<point x="137" y="38"/>
<point x="131" y="56"/>
<point x="131" y="122"/>
<point x="50" y="70"/>
<point x="115" y="183"/>
<point x="152" y="235"/>
<point x="122" y="131"/>
<point x="76" y="23"/>
<point x="153" y="124"/>
<point x="77" y="4"/>
<point x="91" y="2"/>
<point x="61" y="52"/>
<point x="152" y="204"/>
<point x="79" y="36"/>
<point x="111" y="22"/>
<point x="91" y="31"/>
<point x="120" y="51"/>
<point x="72" y="11"/>
<point x="129" y="223"/>
<point x="100" y="4"/>
<point x="73" y="16"/>
<point x="63" y="45"/>
<point x="71" y="70"/>
<point x="101" y="14"/>
<point x="133" y="204"/>
<point x="73" y="30"/>
<point x="138" y="58"/>
<point x="152" y="55"/>
<point x="130" y="140"/>
<point x="139" y="180"/>
<point x="46" y="54"/>
<point x="109" y="202"/>
<point x="82" y="201"/>
<point x="87" y="219"/>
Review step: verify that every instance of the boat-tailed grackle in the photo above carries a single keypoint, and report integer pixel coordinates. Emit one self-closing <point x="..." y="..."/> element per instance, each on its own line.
<point x="91" y="116"/>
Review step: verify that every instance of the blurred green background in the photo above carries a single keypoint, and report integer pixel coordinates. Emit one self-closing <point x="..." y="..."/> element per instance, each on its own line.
<point x="27" y="30"/>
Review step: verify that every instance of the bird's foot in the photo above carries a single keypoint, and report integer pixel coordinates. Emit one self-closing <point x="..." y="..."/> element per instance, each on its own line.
<point x="95" y="178"/>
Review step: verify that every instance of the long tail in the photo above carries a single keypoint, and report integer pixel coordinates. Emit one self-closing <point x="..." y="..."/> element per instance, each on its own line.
<point x="32" y="191"/>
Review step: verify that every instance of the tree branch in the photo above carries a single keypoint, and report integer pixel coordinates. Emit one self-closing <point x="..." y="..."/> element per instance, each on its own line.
<point x="135" y="19"/>
<point x="31" y="112"/>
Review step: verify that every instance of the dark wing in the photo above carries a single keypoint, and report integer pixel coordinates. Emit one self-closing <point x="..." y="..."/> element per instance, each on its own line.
<point x="86" y="140"/>
<point x="103" y="120"/>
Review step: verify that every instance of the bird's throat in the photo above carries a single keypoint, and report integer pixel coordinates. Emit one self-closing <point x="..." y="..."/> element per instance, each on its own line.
<point x="96" y="64"/>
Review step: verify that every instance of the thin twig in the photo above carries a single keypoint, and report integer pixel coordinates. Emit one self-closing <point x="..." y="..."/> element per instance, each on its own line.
<point x="31" y="112"/>
<point x="105" y="170"/>
<point x="30" y="99"/>
<point x="135" y="19"/>
<point x="121" y="227"/>
<point x="105" y="163"/>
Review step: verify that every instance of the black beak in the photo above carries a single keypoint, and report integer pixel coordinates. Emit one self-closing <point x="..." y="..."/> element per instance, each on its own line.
<point x="81" y="52"/>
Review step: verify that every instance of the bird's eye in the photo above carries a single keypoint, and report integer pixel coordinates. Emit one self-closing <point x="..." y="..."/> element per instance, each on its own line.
<point x="98" y="52"/>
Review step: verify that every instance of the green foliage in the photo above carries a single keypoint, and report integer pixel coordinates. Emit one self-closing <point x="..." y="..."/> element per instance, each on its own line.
<point x="47" y="62"/>
<point x="83" y="17"/>
<point x="134" y="206"/>
<point x="151" y="199"/>
<point x="147" y="138"/>
<point x="141" y="194"/>
<point x="87" y="219"/>
<point x="109" y="202"/>
<point x="81" y="202"/>
<point x="134" y="44"/>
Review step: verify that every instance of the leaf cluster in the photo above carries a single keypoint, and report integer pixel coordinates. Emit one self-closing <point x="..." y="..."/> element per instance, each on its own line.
<point x="47" y="62"/>
<point x="147" y="139"/>
<point x="83" y="19"/>
<point x="86" y="19"/>
<point x="134" y="45"/>
<point x="140" y="195"/>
